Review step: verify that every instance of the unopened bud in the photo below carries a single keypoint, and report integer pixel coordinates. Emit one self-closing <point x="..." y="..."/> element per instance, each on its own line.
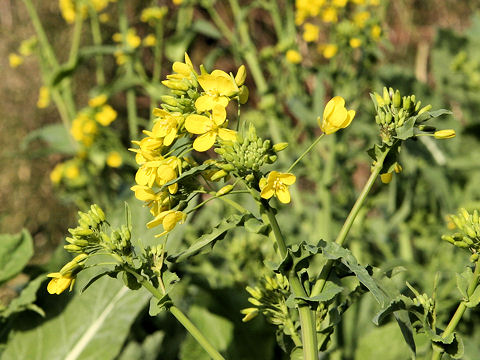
<point x="444" y="134"/>
<point x="218" y="175"/>
<point x="397" y="99"/>
<point x="241" y="76"/>
<point x="280" y="146"/>
<point x="224" y="190"/>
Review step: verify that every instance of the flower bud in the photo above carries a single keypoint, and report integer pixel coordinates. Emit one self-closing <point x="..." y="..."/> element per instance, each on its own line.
<point x="397" y="99"/>
<point x="241" y="76"/>
<point x="280" y="146"/>
<point x="224" y="190"/>
<point x="444" y="134"/>
<point x="218" y="175"/>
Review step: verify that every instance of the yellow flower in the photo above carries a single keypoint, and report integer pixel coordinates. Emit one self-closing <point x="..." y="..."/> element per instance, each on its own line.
<point x="114" y="159"/>
<point x="209" y="128"/>
<point x="169" y="219"/>
<point x="387" y="177"/>
<point x="329" y="50"/>
<point x="336" y="116"/>
<point x="177" y="2"/>
<point x="360" y="18"/>
<point x="444" y="134"/>
<point x="339" y="3"/>
<point x="106" y="115"/>
<point x="15" y="60"/>
<point x="150" y="149"/>
<point x="133" y="39"/>
<point x="166" y="125"/>
<point x="43" y="97"/>
<point x="310" y="32"/>
<point x="97" y="101"/>
<point x="99" y="5"/>
<point x="157" y="202"/>
<point x="376" y="32"/>
<point x="27" y="46"/>
<point x="153" y="14"/>
<point x="65" y="278"/>
<point x="293" y="56"/>
<point x="84" y="129"/>
<point x="56" y="174"/>
<point x="355" y="42"/>
<point x="218" y="87"/>
<point x="329" y="15"/>
<point x="159" y="172"/>
<point x="104" y="18"/>
<point x="67" y="9"/>
<point x="276" y="184"/>
<point x="149" y="40"/>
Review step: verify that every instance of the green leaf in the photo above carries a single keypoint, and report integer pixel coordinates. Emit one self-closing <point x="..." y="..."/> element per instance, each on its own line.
<point x="169" y="280"/>
<point x="217" y="329"/>
<point x="26" y="298"/>
<point x="463" y="280"/>
<point x="15" y="252"/>
<point x="334" y="251"/>
<point x="255" y="226"/>
<point x="209" y="240"/>
<point x="296" y="354"/>
<point x="328" y="293"/>
<point x="78" y="327"/>
<point x="405" y="131"/>
<point x="206" y="28"/>
<point x="474" y="300"/>
<point x="400" y="303"/>
<point x="147" y="350"/>
<point x="427" y="115"/>
<point x="55" y="135"/>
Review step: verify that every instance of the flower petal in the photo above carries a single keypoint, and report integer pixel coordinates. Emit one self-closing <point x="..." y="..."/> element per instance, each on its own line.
<point x="198" y="124"/>
<point x="283" y="194"/>
<point x="205" y="141"/>
<point x="227" y="134"/>
<point x="267" y="192"/>
<point x="287" y="178"/>
<point x="204" y="103"/>
<point x="219" y="114"/>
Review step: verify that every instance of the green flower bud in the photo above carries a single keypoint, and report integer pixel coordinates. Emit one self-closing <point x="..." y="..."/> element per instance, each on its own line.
<point x="386" y="96"/>
<point x="279" y="147"/>
<point x="73" y="248"/>
<point x="243" y="95"/>
<point x="448" y="238"/>
<point x="397" y="99"/>
<point x="170" y="100"/>
<point x="218" y="175"/>
<point x="424" y="109"/>
<point x="388" y="118"/>
<point x="224" y="190"/>
<point x="98" y="211"/>
<point x="379" y="100"/>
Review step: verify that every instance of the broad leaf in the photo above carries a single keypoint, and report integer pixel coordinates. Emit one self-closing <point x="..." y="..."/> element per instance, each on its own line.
<point x="82" y="329"/>
<point x="15" y="252"/>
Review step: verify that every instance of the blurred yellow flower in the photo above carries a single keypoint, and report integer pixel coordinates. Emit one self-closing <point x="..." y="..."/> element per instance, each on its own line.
<point x="339" y="3"/>
<point x="67" y="9"/>
<point x="330" y="15"/>
<point x="84" y="129"/>
<point x="15" y="60"/>
<point x="355" y="42"/>
<point x="105" y="17"/>
<point x="133" y="39"/>
<point x="376" y="32"/>
<point x="43" y="97"/>
<point x="71" y="171"/>
<point x="97" y="101"/>
<point x="27" y="46"/>
<point x="114" y="159"/>
<point x="310" y="32"/>
<point x="149" y="40"/>
<point x="276" y="184"/>
<point x="386" y="178"/>
<point x="177" y="2"/>
<point x="293" y="56"/>
<point x="57" y="173"/>
<point x="151" y="14"/>
<point x="360" y="18"/>
<point x="336" y="116"/>
<point x="328" y="50"/>
<point x="106" y="115"/>
<point x="209" y="128"/>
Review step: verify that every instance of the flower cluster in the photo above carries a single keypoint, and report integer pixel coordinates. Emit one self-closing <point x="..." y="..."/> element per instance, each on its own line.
<point x="71" y="8"/>
<point x="468" y="236"/>
<point x="338" y="24"/>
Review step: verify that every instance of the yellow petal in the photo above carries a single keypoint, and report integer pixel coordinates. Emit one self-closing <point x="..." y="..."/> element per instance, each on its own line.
<point x="386" y="178"/>
<point x="267" y="192"/>
<point x="168" y="140"/>
<point x="205" y="141"/>
<point x="227" y="134"/>
<point x="262" y="183"/>
<point x="198" y="124"/>
<point x="204" y="103"/>
<point x="219" y="114"/>
<point x="283" y="194"/>
<point x="287" y="179"/>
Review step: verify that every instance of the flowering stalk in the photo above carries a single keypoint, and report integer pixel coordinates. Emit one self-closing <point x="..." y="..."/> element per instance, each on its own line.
<point x="307" y="320"/>
<point x="181" y="317"/>
<point x="342" y="235"/>
<point x="437" y="354"/>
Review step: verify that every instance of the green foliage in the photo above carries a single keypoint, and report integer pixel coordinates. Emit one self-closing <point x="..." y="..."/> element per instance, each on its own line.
<point x="15" y="252"/>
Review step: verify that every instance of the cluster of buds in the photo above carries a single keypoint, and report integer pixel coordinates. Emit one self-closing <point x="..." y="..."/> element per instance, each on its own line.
<point x="270" y="299"/>
<point x="393" y="111"/>
<point x="247" y="155"/>
<point x="468" y="236"/>
<point x="90" y="238"/>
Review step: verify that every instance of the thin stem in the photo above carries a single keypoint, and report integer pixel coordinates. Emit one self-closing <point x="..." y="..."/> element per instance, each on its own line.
<point x="181" y="317"/>
<point x="342" y="235"/>
<point x="305" y="152"/>
<point x="131" y="103"/>
<point x="307" y="320"/>
<point x="436" y="355"/>
<point x="218" y="21"/>
<point x="97" y="40"/>
<point x="157" y="62"/>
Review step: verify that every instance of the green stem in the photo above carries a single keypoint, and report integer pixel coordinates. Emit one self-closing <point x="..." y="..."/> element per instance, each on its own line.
<point x="97" y="40"/>
<point x="437" y="354"/>
<point x="131" y="103"/>
<point x="157" y="62"/>
<point x="342" y="235"/>
<point x="307" y="319"/>
<point x="181" y="317"/>
<point x="305" y="152"/>
<point x="218" y="21"/>
<point x="327" y="195"/>
<point x="249" y="48"/>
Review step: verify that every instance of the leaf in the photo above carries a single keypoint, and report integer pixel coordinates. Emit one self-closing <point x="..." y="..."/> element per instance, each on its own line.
<point x="405" y="131"/>
<point x="206" y="28"/>
<point x="328" y="293"/>
<point x="474" y="300"/>
<point x="147" y="350"/>
<point x="255" y="226"/>
<point x="463" y="281"/>
<point x="25" y="300"/>
<point x="55" y="135"/>
<point x="218" y="330"/>
<point x="427" y="115"/>
<point x="169" y="280"/>
<point x="80" y="326"/>
<point x="192" y="172"/>
<point x="209" y="240"/>
<point x="15" y="252"/>
<point x="296" y="354"/>
<point x="400" y="303"/>
<point x="334" y="251"/>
